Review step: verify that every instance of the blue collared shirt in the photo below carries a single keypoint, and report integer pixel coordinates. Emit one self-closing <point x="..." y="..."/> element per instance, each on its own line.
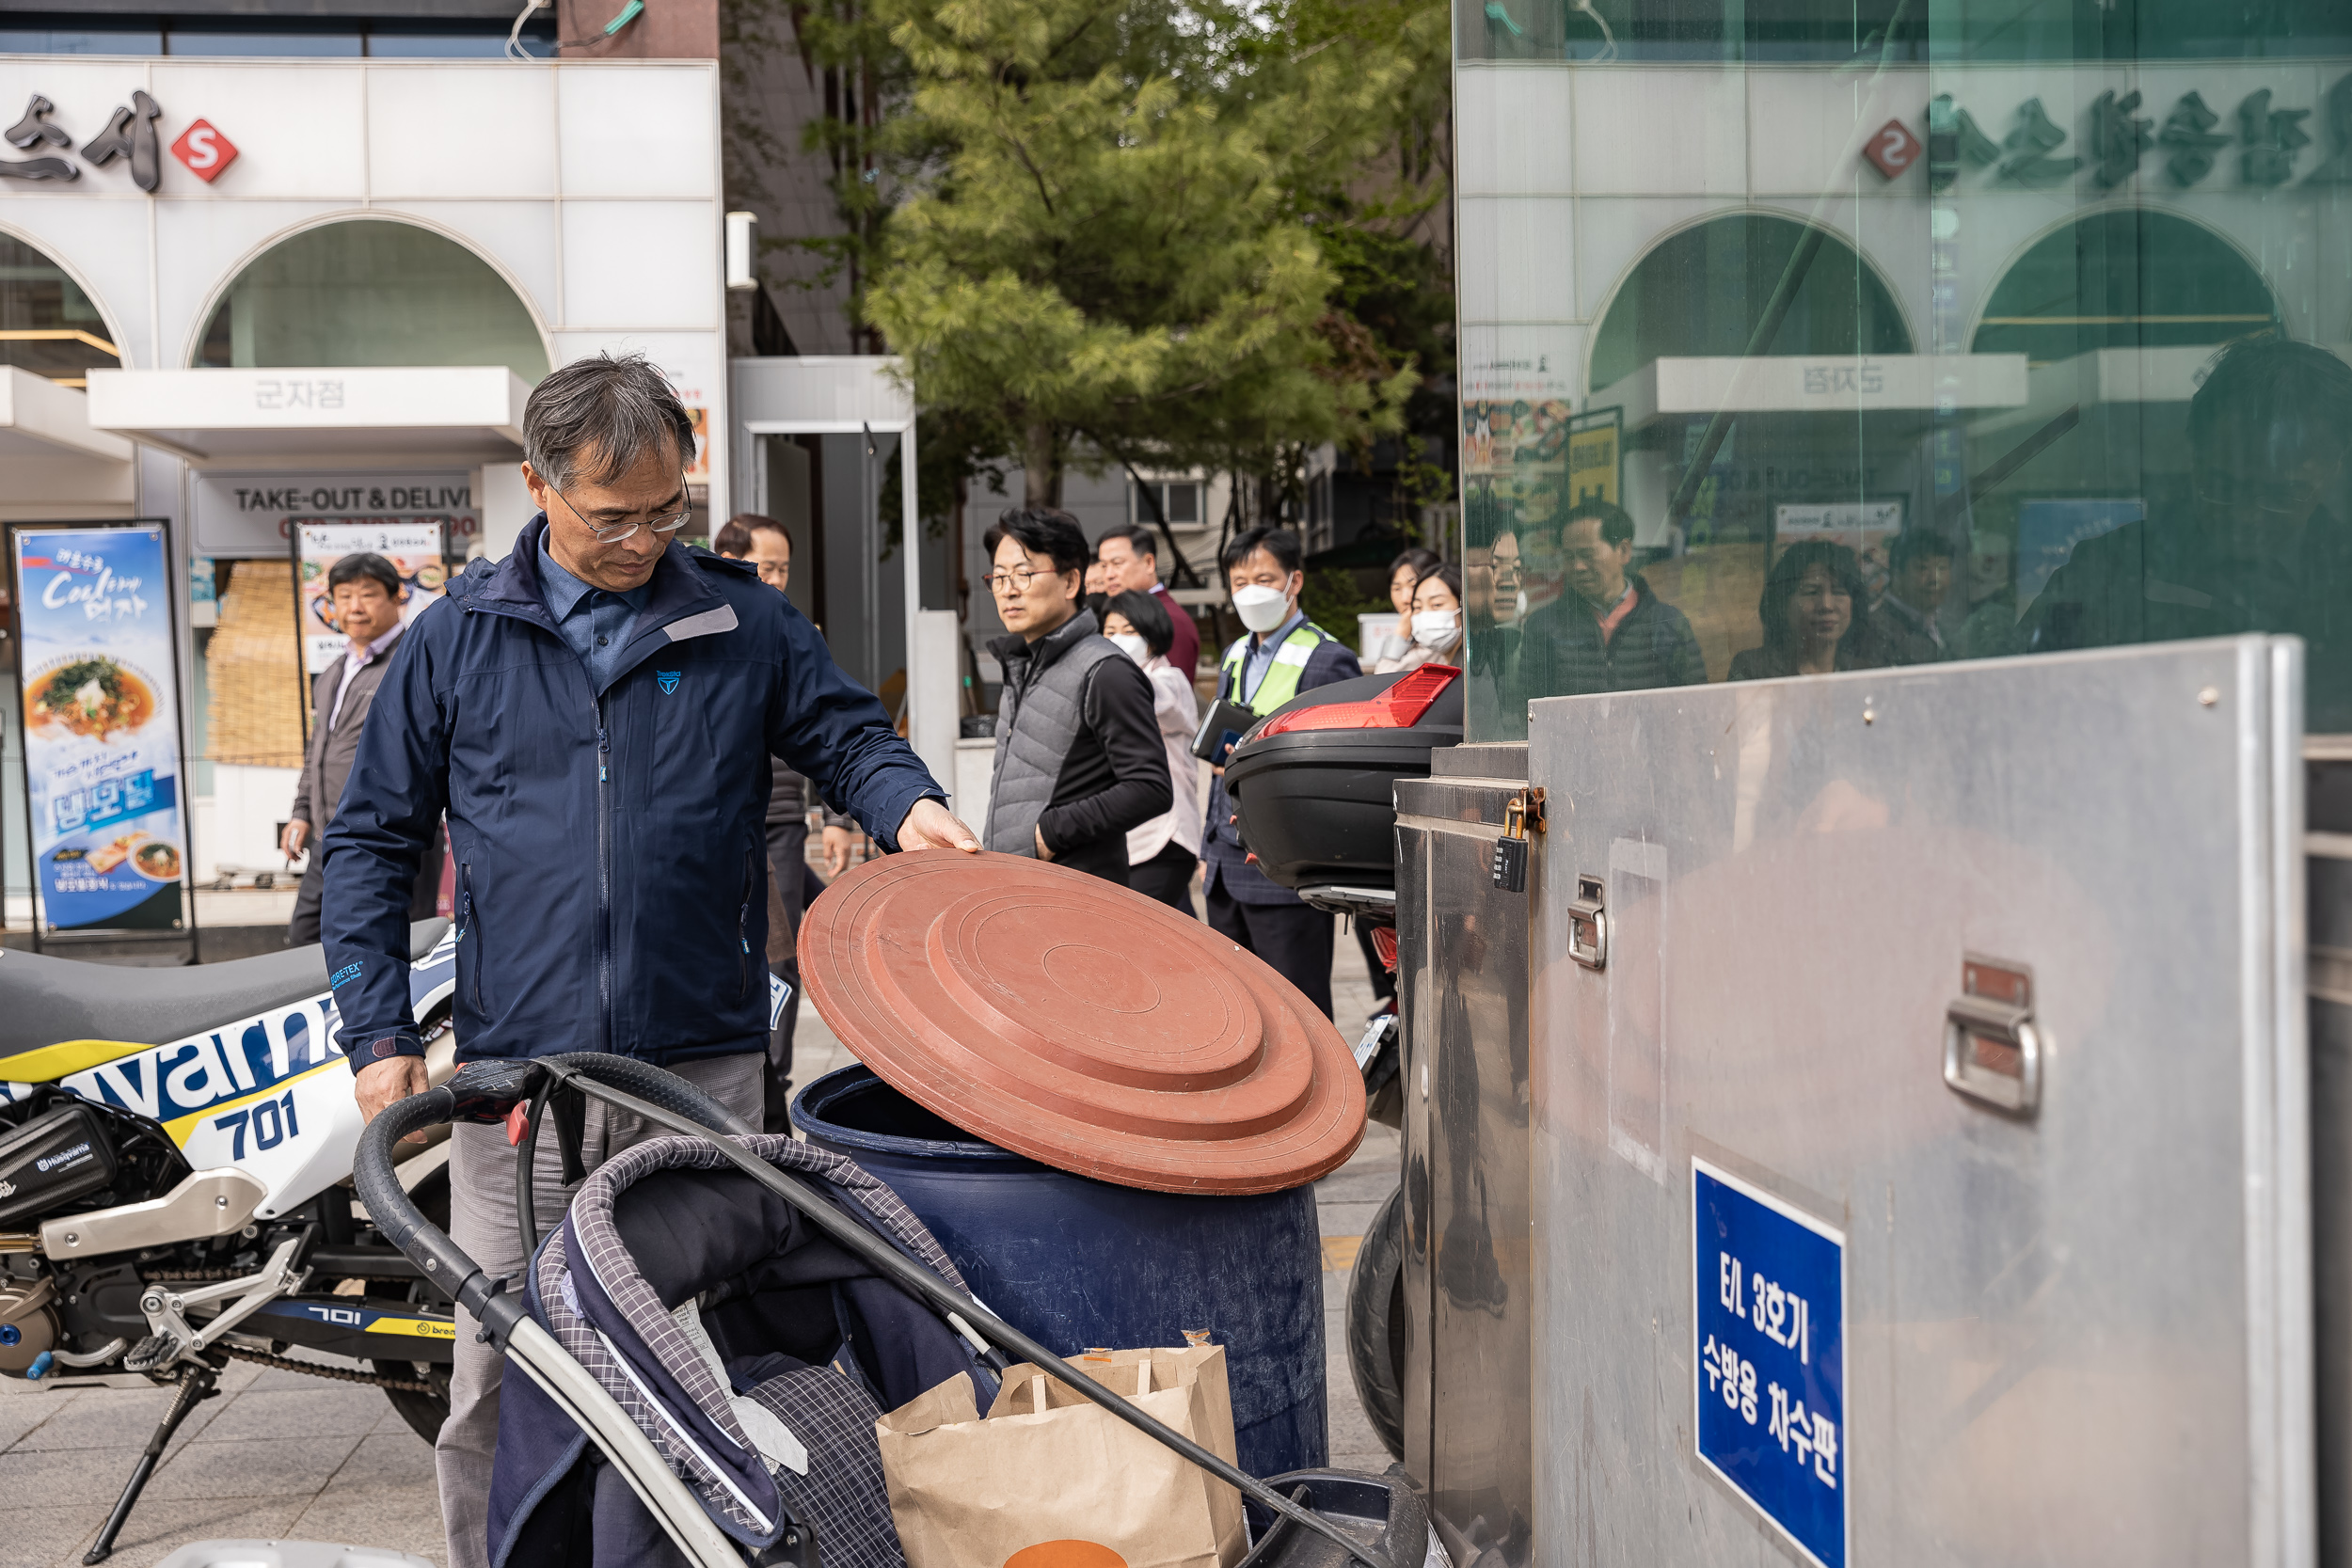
<point x="594" y="621"/>
<point x="1259" y="659"/>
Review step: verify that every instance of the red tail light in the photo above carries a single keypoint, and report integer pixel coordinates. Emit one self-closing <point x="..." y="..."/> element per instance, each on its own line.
<point x="1384" y="944"/>
<point x="1399" y="707"/>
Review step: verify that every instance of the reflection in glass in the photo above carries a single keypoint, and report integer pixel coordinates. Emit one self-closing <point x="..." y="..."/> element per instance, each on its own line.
<point x="1707" y="291"/>
<point x="1814" y="612"/>
<point x="61" y="40"/>
<point x="1890" y="335"/>
<point x="48" y="326"/>
<point x="2245" y="541"/>
<point x="254" y="46"/>
<point x="372" y="293"/>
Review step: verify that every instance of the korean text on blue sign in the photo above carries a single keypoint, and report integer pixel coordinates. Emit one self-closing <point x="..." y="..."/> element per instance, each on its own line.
<point x="1769" y="1343"/>
<point x="99" y="683"/>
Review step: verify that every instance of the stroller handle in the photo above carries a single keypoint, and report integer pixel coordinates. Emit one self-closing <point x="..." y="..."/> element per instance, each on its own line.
<point x="485" y="1091"/>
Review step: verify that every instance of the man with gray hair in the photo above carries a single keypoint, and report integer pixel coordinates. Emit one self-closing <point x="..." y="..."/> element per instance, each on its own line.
<point x="595" y="714"/>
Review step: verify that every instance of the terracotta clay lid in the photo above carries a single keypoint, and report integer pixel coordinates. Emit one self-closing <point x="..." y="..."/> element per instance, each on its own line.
<point x="1082" y="1024"/>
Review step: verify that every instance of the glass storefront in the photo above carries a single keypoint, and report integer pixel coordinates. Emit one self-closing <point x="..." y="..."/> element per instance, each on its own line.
<point x="47" y="325"/>
<point x="1800" y="337"/>
<point x="366" y="292"/>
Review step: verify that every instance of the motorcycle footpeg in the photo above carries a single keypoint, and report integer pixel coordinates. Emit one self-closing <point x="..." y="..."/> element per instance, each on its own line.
<point x="156" y="1350"/>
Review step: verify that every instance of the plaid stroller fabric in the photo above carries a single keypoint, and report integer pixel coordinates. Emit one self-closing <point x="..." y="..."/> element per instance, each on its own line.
<point x="755" y="1352"/>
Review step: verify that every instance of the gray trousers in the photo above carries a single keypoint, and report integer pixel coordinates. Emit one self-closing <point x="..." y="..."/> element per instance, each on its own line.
<point x="482" y="1223"/>
<point x="788" y="869"/>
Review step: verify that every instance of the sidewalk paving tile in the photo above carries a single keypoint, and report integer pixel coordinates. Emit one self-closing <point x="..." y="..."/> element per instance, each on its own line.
<point x="35" y="1537"/>
<point x="321" y="1409"/>
<point x="256" y="1467"/>
<point x="160" y="1526"/>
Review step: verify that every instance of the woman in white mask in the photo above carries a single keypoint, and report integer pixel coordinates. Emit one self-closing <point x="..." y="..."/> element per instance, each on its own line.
<point x="1435" y="624"/>
<point x="1404" y="572"/>
<point x="1163" y="854"/>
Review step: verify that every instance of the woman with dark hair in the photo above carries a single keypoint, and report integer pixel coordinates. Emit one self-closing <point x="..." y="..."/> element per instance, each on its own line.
<point x="1814" y="616"/>
<point x="1163" y="854"/>
<point x="1408" y="568"/>
<point x="1433" y="623"/>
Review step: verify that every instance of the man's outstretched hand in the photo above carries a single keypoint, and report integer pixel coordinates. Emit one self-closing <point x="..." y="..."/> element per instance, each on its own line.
<point x="932" y="826"/>
<point x="379" y="1083"/>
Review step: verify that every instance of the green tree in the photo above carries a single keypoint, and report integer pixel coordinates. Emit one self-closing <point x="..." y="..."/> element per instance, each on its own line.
<point x="1107" y="246"/>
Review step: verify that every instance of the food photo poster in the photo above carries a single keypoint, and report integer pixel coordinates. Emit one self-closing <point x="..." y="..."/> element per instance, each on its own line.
<point x="100" y="694"/>
<point x="413" y="548"/>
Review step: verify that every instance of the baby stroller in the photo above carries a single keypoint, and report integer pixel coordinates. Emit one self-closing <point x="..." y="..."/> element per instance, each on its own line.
<point x="710" y="1335"/>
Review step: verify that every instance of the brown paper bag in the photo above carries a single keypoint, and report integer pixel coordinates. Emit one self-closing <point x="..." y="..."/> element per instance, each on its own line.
<point x="1049" y="1470"/>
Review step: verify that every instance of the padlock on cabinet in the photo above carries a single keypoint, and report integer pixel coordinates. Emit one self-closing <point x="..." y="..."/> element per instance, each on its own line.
<point x="1507" y="868"/>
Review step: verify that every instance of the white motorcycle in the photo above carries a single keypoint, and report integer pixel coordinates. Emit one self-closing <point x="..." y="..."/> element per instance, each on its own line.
<point x="167" y="1207"/>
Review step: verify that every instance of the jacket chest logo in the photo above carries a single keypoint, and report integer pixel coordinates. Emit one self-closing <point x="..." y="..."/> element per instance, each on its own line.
<point x="668" y="679"/>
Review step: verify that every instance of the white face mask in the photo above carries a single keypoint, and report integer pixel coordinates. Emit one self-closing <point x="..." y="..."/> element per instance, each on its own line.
<point x="1261" y="609"/>
<point x="1132" y="645"/>
<point x="1434" y="628"/>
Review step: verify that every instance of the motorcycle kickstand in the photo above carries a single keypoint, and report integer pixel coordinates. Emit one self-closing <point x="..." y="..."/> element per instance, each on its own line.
<point x="196" y="1386"/>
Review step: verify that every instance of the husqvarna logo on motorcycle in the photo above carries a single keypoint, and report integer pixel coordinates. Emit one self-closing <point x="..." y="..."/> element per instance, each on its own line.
<point x="48" y="1163"/>
<point x="668" y="679"/>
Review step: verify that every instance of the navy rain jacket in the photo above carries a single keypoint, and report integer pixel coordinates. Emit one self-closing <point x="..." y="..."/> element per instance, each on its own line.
<point x="611" y="847"/>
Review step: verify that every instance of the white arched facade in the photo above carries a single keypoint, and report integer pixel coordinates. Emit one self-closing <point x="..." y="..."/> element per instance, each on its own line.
<point x="191" y="348"/>
<point x="1567" y="175"/>
<point x="1657" y="241"/>
<point x="591" y="190"/>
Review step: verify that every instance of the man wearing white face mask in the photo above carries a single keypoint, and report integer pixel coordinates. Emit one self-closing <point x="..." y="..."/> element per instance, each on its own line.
<point x="1284" y="655"/>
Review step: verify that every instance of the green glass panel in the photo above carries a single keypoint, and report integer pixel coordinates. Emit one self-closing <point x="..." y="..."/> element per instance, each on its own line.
<point x="372" y="293"/>
<point x="1703" y="293"/>
<point x="2037" y="359"/>
<point x="2128" y="278"/>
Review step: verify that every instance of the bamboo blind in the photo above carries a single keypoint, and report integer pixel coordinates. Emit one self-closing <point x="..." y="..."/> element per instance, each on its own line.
<point x="255" y="669"/>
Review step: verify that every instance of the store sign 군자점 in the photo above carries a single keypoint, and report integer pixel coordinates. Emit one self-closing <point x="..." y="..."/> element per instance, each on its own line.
<point x="414" y="550"/>
<point x="99" y="690"/>
<point x="255" y="516"/>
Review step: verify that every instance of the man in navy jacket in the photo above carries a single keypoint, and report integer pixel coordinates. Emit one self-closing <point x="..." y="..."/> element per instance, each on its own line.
<point x="596" y="715"/>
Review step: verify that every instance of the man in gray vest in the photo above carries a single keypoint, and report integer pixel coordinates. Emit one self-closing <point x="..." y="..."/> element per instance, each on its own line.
<point x="1079" y="753"/>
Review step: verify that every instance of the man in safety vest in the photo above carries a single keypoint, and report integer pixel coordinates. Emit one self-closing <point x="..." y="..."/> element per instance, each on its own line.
<point x="1284" y="655"/>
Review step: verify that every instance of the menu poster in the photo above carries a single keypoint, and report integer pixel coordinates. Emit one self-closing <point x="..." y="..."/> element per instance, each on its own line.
<point x="98" y="685"/>
<point x="413" y="548"/>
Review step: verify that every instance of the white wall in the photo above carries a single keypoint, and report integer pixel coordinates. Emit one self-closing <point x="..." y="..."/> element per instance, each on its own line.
<point x="505" y="506"/>
<point x="592" y="188"/>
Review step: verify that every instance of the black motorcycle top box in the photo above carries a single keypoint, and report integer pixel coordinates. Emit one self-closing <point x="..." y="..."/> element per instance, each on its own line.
<point x="1313" y="784"/>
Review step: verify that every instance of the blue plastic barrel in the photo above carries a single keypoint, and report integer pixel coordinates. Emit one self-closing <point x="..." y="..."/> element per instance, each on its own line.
<point x="1077" y="1263"/>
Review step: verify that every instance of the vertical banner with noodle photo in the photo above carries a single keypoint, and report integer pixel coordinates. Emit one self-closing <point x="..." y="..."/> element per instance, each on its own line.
<point x="98" y="681"/>
<point x="413" y="546"/>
